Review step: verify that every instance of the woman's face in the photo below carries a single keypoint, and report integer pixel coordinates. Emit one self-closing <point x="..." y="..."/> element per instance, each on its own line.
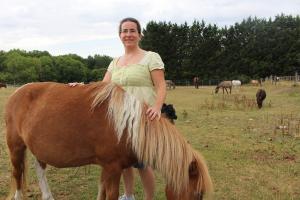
<point x="129" y="34"/>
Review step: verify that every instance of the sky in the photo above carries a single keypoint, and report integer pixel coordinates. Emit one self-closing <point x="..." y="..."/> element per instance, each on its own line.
<point x="89" y="27"/>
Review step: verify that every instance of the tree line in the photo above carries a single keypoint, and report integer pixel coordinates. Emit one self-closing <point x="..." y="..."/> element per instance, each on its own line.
<point x="18" y="67"/>
<point x="254" y="48"/>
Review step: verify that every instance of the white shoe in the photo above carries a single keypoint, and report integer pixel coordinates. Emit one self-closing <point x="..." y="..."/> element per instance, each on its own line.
<point x="124" y="197"/>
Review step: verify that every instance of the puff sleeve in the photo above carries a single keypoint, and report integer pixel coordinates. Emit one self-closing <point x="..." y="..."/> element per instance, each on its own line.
<point x="155" y="62"/>
<point x="111" y="65"/>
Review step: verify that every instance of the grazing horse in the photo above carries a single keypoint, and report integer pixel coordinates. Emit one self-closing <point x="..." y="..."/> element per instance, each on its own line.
<point x="2" y="85"/>
<point x="196" y="82"/>
<point x="255" y="82"/>
<point x="101" y="124"/>
<point x="170" y="84"/>
<point x="260" y="97"/>
<point x="224" y="85"/>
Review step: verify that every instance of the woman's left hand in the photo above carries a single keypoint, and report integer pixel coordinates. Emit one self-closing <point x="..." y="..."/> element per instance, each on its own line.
<point x="153" y="112"/>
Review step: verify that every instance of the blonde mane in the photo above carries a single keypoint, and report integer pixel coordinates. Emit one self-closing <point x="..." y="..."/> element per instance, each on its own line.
<point x="156" y="143"/>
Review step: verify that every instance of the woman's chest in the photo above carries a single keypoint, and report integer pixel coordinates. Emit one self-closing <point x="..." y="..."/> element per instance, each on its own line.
<point x="132" y="75"/>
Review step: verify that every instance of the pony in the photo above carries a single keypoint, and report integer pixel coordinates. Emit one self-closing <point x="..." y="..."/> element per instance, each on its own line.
<point x="236" y="83"/>
<point x="100" y="124"/>
<point x="3" y="85"/>
<point x="224" y="85"/>
<point x="196" y="82"/>
<point x="260" y="97"/>
<point x="170" y="84"/>
<point x="255" y="82"/>
<point x="275" y="79"/>
<point x="169" y="111"/>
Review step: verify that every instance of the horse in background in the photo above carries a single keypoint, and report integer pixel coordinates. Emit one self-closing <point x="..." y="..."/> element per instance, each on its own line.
<point x="224" y="85"/>
<point x="274" y="80"/>
<point x="260" y="97"/>
<point x="255" y="82"/>
<point x="170" y="84"/>
<point x="99" y="124"/>
<point x="3" y="85"/>
<point x="236" y="83"/>
<point x="196" y="82"/>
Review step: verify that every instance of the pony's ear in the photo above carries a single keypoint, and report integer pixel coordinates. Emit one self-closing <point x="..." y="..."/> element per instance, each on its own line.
<point x="193" y="169"/>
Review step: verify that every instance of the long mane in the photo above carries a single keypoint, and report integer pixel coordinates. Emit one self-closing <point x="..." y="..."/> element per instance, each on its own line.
<point x="156" y="143"/>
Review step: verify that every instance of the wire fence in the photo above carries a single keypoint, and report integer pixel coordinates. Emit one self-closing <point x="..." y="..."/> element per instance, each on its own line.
<point x="209" y="82"/>
<point x="206" y="82"/>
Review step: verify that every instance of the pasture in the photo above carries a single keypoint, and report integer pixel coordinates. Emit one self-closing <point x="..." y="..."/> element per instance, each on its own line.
<point x="251" y="153"/>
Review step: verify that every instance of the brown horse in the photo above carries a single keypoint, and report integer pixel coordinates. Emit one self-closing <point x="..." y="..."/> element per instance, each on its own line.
<point x="260" y="97"/>
<point x="100" y="124"/>
<point x="196" y="82"/>
<point x="256" y="82"/>
<point x="2" y="85"/>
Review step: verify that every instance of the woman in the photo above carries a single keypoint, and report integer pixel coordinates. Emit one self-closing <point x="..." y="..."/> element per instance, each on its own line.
<point x="140" y="73"/>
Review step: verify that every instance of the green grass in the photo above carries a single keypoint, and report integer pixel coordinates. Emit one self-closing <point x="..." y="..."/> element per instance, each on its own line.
<point x="251" y="153"/>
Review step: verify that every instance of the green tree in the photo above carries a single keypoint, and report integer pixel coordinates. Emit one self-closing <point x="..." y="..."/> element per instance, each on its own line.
<point x="68" y="69"/>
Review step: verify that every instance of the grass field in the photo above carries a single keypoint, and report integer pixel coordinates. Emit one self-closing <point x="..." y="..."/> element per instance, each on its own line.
<point x="251" y="153"/>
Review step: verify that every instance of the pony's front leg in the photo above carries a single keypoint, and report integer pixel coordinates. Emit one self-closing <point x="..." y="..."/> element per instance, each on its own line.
<point x="110" y="181"/>
<point x="226" y="91"/>
<point x="40" y="171"/>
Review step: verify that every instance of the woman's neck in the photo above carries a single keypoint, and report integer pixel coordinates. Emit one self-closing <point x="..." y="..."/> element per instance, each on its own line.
<point x="131" y="51"/>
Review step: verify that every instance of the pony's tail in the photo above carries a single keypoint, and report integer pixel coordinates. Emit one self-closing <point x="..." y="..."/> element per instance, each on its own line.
<point x="13" y="184"/>
<point x="205" y="182"/>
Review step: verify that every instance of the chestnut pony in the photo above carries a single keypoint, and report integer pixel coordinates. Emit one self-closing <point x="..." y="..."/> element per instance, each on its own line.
<point x="2" y="85"/>
<point x="98" y="123"/>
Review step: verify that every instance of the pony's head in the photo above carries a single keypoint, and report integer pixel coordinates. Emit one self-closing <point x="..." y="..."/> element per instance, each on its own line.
<point x="217" y="89"/>
<point x="199" y="182"/>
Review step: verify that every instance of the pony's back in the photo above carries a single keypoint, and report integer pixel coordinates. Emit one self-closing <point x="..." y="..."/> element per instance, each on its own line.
<point x="52" y="119"/>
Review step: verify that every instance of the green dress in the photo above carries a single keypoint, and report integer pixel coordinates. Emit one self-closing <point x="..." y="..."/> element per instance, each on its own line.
<point x="136" y="78"/>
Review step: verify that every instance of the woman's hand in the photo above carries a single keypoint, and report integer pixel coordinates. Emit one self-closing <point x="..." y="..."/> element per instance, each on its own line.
<point x="74" y="84"/>
<point x="153" y="113"/>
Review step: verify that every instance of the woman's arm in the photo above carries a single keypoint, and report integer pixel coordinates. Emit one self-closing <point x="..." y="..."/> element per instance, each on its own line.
<point x="158" y="78"/>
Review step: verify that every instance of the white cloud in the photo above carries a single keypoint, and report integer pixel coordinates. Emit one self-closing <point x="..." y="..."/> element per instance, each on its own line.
<point x="68" y="26"/>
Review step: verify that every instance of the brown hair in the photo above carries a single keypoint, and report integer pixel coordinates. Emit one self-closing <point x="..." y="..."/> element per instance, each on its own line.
<point x="130" y="19"/>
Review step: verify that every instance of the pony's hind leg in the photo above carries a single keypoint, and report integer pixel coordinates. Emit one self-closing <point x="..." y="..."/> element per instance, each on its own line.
<point x="40" y="171"/>
<point x="17" y="157"/>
